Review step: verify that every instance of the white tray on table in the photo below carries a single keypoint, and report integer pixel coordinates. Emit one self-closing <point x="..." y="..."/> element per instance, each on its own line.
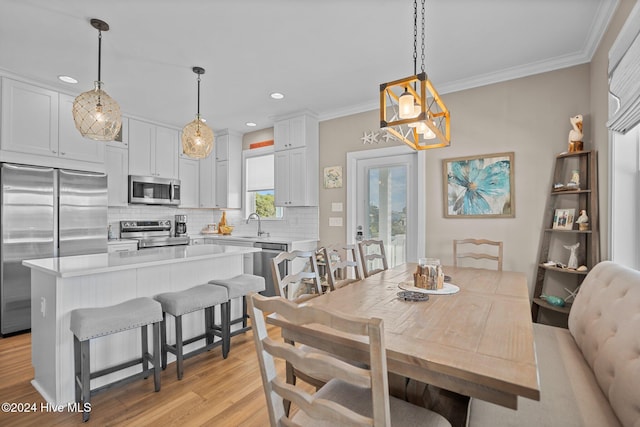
<point x="447" y="288"/>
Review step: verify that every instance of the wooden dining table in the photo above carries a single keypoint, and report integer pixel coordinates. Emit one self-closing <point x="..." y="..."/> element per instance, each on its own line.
<point x="477" y="342"/>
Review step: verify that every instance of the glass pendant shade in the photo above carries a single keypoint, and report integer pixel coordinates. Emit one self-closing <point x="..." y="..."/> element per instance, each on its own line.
<point x="197" y="139"/>
<point x="96" y="115"/>
<point x="405" y="105"/>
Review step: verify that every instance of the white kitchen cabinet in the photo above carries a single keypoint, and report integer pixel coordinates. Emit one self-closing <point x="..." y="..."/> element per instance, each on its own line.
<point x="221" y="180"/>
<point x="296" y="143"/>
<point x="122" y="138"/>
<point x="189" y="183"/>
<point x="153" y="150"/>
<point x="222" y="184"/>
<point x="222" y="147"/>
<point x="296" y="182"/>
<point x="29" y="119"/>
<point x="294" y="132"/>
<point x="122" y="245"/>
<point x="207" y="175"/>
<point x="40" y="121"/>
<point x="117" y="168"/>
<point x="71" y="144"/>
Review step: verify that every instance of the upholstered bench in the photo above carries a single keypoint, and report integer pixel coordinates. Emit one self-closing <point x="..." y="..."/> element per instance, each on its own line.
<point x="590" y="373"/>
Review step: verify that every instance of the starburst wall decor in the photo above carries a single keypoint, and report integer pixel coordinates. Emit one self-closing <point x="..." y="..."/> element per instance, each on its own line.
<point x="377" y="137"/>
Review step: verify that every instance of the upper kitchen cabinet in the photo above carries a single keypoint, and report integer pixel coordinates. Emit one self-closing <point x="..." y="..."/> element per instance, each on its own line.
<point x="221" y="173"/>
<point x="295" y="132"/>
<point x="153" y="150"/>
<point x="122" y="138"/>
<point x="117" y="168"/>
<point x="296" y="142"/>
<point x="71" y="144"/>
<point x="39" y="121"/>
<point x="189" y="183"/>
<point x="29" y="118"/>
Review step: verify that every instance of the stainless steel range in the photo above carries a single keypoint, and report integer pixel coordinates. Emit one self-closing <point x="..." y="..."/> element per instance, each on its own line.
<point x="151" y="234"/>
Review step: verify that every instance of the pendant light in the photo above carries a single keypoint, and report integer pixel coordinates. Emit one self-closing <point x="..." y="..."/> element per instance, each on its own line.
<point x="197" y="137"/>
<point x="418" y="114"/>
<point x="96" y="115"/>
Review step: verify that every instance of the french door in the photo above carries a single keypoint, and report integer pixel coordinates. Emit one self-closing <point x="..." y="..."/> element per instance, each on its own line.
<point x="383" y="188"/>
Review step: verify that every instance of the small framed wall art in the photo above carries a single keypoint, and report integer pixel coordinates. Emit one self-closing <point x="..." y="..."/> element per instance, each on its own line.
<point x="333" y="177"/>
<point x="479" y="186"/>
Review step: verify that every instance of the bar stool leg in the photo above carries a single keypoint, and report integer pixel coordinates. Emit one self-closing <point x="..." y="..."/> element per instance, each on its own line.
<point x="85" y="378"/>
<point x="145" y="351"/>
<point x="225" y="321"/>
<point x="209" y="316"/>
<point x="156" y="356"/>
<point x="244" y="311"/>
<point x="179" y="354"/>
<point x="163" y="341"/>
<point x="77" y="368"/>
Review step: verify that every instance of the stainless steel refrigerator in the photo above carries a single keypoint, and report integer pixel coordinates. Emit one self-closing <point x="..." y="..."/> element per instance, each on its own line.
<point x="45" y="213"/>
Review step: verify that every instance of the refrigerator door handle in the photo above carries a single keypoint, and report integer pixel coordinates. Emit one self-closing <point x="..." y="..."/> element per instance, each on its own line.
<point x="80" y="173"/>
<point x="27" y="168"/>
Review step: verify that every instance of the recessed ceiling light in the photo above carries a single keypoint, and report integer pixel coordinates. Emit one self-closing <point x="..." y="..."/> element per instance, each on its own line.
<point x="250" y="124"/>
<point x="67" y="79"/>
<point x="277" y="95"/>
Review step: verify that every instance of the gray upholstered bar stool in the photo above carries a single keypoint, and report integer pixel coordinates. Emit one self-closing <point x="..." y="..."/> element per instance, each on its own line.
<point x="201" y="297"/>
<point x="241" y="286"/>
<point x="90" y="323"/>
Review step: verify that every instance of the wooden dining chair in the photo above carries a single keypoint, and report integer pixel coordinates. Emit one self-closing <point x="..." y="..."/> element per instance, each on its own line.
<point x="354" y="395"/>
<point x="339" y="259"/>
<point x="299" y="285"/>
<point x="373" y="257"/>
<point x="481" y="250"/>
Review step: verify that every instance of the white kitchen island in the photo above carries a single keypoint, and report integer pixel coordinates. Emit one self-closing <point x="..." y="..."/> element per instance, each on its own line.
<point x="59" y="285"/>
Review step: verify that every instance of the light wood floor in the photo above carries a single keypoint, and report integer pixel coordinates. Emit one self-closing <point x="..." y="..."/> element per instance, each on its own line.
<point x="213" y="391"/>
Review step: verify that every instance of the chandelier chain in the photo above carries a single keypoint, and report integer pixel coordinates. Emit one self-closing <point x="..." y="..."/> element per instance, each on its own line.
<point x="415" y="36"/>
<point x="422" y="23"/>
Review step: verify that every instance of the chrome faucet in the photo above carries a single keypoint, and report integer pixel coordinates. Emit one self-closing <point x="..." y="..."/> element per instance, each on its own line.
<point x="254" y="215"/>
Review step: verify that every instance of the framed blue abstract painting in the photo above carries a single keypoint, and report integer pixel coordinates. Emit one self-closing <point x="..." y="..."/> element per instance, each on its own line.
<point x="479" y="186"/>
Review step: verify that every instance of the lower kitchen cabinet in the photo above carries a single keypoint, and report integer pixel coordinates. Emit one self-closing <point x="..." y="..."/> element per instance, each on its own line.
<point x="122" y="245"/>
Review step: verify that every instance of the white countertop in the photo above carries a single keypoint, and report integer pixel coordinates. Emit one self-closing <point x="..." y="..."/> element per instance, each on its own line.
<point x="83" y="265"/>
<point x="270" y="239"/>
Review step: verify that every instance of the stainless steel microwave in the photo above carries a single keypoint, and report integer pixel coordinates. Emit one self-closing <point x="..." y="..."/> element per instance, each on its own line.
<point x="150" y="190"/>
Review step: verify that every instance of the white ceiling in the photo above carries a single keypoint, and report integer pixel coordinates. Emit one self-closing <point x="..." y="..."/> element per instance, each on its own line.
<point x="326" y="56"/>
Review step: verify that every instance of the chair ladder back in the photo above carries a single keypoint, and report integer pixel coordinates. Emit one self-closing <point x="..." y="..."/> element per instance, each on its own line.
<point x="457" y="254"/>
<point x="308" y="275"/>
<point x="276" y="388"/>
<point x="337" y="260"/>
<point x="368" y="257"/>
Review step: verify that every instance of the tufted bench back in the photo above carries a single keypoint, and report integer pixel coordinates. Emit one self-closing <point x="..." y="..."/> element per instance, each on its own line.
<point x="605" y="323"/>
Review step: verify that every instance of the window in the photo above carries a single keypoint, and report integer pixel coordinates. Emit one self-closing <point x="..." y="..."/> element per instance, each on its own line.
<point x="259" y="183"/>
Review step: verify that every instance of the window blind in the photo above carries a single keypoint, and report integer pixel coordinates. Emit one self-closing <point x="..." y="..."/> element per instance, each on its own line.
<point x="260" y="173"/>
<point x="624" y="76"/>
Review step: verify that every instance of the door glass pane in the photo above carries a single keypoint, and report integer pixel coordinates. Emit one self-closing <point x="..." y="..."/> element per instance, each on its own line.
<point x="387" y="215"/>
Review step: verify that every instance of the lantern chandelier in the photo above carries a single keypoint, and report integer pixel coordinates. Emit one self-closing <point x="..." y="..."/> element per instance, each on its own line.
<point x="197" y="137"/>
<point x="419" y="117"/>
<point x="96" y="114"/>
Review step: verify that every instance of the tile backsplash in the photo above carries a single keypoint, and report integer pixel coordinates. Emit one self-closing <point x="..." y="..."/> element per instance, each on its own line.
<point x="299" y="222"/>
